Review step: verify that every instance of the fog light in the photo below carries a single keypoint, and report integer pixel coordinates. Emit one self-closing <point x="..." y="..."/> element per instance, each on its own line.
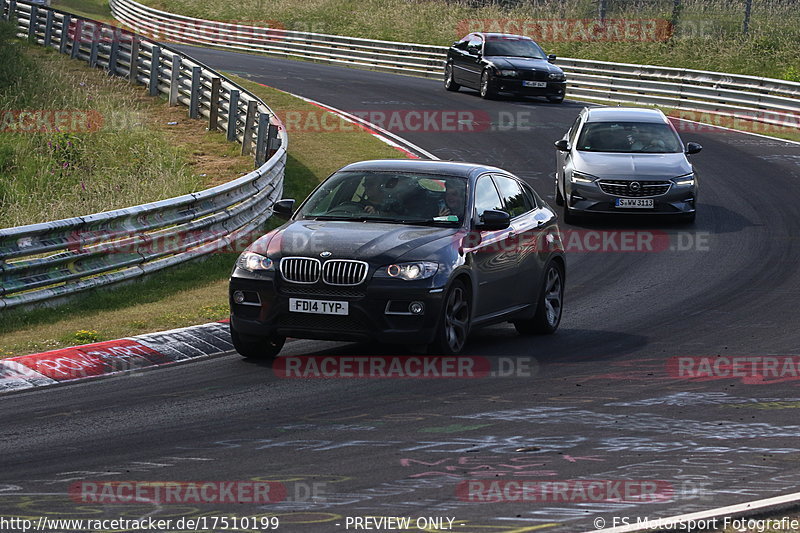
<point x="416" y="308"/>
<point x="238" y="297"/>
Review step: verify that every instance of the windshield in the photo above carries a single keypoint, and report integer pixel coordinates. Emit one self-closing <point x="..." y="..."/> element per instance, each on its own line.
<point x="513" y="47"/>
<point x="629" y="137"/>
<point x="388" y="197"/>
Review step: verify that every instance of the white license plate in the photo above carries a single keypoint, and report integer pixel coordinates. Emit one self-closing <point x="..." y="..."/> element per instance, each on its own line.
<point x="320" y="307"/>
<point x="641" y="203"/>
<point x="526" y="83"/>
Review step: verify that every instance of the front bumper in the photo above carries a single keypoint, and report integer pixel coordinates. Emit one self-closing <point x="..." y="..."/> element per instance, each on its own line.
<point x="589" y="198"/>
<point x="266" y="311"/>
<point x="515" y="86"/>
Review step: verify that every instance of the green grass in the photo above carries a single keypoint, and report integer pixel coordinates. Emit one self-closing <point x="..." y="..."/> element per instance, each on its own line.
<point x="113" y="146"/>
<point x="708" y="35"/>
<point x="93" y="9"/>
<point x="190" y="294"/>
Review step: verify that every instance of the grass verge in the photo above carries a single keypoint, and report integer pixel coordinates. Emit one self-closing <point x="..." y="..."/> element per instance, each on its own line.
<point x="195" y="293"/>
<point x="97" y="142"/>
<point x="708" y="34"/>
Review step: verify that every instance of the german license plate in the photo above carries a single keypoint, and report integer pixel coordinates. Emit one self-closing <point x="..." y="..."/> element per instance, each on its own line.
<point x="319" y="307"/>
<point x="526" y="83"/>
<point x="641" y="203"/>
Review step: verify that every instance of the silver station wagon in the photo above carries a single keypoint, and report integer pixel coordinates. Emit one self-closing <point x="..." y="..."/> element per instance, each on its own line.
<point x="625" y="160"/>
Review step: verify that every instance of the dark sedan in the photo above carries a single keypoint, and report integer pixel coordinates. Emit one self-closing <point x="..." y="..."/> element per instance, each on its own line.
<point x="405" y="252"/>
<point x="493" y="63"/>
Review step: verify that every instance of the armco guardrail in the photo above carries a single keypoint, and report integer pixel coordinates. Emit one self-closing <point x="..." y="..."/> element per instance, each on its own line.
<point x="763" y="100"/>
<point x="418" y="59"/>
<point x="44" y="261"/>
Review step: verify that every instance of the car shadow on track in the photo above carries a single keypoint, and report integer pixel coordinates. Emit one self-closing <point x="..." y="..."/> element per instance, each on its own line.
<point x="494" y="343"/>
<point x="710" y="218"/>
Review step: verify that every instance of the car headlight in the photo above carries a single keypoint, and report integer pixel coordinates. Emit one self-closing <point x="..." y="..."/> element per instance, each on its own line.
<point x="580" y="177"/>
<point x="255" y="262"/>
<point x="556" y="76"/>
<point x="684" y="181"/>
<point x="509" y="73"/>
<point x="408" y="271"/>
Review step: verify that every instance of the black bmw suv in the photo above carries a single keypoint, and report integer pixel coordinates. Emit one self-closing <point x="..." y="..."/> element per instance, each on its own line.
<point x="498" y="62"/>
<point x="402" y="252"/>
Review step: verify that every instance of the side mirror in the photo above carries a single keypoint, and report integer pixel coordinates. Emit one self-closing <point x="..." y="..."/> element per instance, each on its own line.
<point x="283" y="208"/>
<point x="562" y="145"/>
<point x="551" y="58"/>
<point x="492" y="220"/>
<point x="693" y="148"/>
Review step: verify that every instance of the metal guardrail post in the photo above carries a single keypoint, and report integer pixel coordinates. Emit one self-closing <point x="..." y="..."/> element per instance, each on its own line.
<point x="12" y="11"/>
<point x="233" y="114"/>
<point x="261" y="139"/>
<point x="33" y="23"/>
<point x="174" y="80"/>
<point x="247" y="138"/>
<point x="273" y="143"/>
<point x="194" y="96"/>
<point x="746" y="24"/>
<point x="133" y="69"/>
<point x="116" y="34"/>
<point x="155" y="64"/>
<point x="95" y="46"/>
<point x="76" y="39"/>
<point x="213" y="115"/>
<point x="65" y="23"/>
<point x="48" y="28"/>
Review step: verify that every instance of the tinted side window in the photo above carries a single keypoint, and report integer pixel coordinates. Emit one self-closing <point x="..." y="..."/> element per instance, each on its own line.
<point x="486" y="196"/>
<point x="515" y="201"/>
<point x="531" y="195"/>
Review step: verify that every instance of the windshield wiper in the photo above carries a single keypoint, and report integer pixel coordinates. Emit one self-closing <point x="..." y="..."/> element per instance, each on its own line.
<point x="390" y="220"/>
<point x="328" y="217"/>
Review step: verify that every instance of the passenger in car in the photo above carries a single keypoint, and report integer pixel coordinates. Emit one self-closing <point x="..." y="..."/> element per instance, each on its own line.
<point x="452" y="201"/>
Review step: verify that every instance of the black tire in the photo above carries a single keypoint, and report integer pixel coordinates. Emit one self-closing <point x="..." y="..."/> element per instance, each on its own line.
<point x="549" y="306"/>
<point x="449" y="82"/>
<point x="555" y="99"/>
<point x="569" y="218"/>
<point x="487" y="86"/>
<point x="257" y="348"/>
<point x="454" y="321"/>
<point x="559" y="196"/>
<point x="688" y="219"/>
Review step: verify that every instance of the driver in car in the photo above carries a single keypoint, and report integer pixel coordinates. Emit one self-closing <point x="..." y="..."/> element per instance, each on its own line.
<point x="375" y="198"/>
